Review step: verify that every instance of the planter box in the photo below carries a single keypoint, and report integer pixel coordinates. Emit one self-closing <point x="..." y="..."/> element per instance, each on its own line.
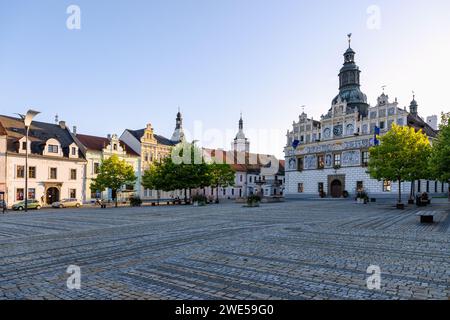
<point x="426" y="219"/>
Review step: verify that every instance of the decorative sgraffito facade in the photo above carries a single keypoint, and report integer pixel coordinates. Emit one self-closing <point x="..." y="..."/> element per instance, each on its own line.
<point x="330" y="156"/>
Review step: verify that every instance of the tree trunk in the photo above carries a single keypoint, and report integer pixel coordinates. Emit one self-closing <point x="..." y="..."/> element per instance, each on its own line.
<point x="185" y="196"/>
<point x="399" y="191"/>
<point x="217" y="194"/>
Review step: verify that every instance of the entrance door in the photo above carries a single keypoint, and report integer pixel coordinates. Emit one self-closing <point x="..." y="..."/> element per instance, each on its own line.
<point x="336" y="189"/>
<point x="52" y="195"/>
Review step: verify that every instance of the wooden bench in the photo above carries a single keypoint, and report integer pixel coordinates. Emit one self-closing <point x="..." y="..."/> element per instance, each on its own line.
<point x="426" y="216"/>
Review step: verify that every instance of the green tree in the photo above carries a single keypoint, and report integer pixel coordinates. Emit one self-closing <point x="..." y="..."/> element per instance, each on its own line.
<point x="221" y="175"/>
<point x="113" y="174"/>
<point x="440" y="155"/>
<point x="402" y="155"/>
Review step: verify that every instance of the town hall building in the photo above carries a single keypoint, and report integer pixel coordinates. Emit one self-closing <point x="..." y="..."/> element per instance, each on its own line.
<point x="330" y="157"/>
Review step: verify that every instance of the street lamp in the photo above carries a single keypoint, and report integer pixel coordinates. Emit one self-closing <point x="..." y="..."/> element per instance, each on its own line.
<point x="27" y="119"/>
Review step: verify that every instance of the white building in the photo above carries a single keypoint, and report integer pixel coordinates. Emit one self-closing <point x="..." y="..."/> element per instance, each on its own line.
<point x="55" y="165"/>
<point x="97" y="149"/>
<point x="330" y="156"/>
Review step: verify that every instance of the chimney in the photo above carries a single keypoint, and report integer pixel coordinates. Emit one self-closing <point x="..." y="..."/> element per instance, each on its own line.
<point x="74" y="130"/>
<point x="62" y="124"/>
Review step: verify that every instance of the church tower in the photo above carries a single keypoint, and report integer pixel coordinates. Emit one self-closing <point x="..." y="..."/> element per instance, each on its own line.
<point x="240" y="143"/>
<point x="178" y="134"/>
<point x="349" y="84"/>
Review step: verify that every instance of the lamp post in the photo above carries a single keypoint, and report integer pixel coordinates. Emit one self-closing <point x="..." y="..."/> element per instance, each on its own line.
<point x="27" y="119"/>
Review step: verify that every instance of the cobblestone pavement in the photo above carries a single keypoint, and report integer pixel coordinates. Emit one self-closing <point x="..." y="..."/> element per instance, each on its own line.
<point x="293" y="250"/>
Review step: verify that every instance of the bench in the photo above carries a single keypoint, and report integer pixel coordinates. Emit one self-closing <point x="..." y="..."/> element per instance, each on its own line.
<point x="426" y="216"/>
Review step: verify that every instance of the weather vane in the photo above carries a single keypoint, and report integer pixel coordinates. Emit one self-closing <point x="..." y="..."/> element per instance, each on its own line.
<point x="383" y="87"/>
<point x="303" y="108"/>
<point x="349" y="39"/>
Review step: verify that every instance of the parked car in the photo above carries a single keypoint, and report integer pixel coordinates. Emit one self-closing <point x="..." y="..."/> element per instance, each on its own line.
<point x="31" y="204"/>
<point x="67" y="203"/>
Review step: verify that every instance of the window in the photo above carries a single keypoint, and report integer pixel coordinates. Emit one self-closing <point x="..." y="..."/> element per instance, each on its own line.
<point x="382" y="125"/>
<point x="19" y="194"/>
<point x="73" y="174"/>
<point x="32" y="172"/>
<point x="53" y="173"/>
<point x="250" y="179"/>
<point x="74" y="151"/>
<point x="299" y="164"/>
<point x="73" y="193"/>
<point x="240" y="178"/>
<point x="31" y="193"/>
<point x="400" y="122"/>
<point x="300" y="188"/>
<point x="224" y="192"/>
<point x="20" y="172"/>
<point x="387" y="186"/>
<point x="24" y="145"/>
<point x="96" y="168"/>
<point x="428" y="186"/>
<point x="232" y="192"/>
<point x="337" y="159"/>
<point x="359" y="186"/>
<point x="115" y="147"/>
<point x="435" y="186"/>
<point x="321" y="161"/>
<point x="419" y="186"/>
<point x="365" y="158"/>
<point x="52" y="148"/>
<point x="320" y="187"/>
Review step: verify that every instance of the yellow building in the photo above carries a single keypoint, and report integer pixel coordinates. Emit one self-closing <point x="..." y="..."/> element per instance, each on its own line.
<point x="152" y="148"/>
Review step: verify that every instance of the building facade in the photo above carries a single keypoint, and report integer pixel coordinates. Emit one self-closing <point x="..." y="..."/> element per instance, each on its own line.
<point x="151" y="147"/>
<point x="55" y="165"/>
<point x="97" y="149"/>
<point x="330" y="156"/>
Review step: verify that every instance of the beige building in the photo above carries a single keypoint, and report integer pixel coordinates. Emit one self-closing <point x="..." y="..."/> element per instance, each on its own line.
<point x="55" y="166"/>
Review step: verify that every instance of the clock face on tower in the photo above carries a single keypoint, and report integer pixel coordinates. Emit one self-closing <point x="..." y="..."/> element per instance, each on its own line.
<point x="337" y="131"/>
<point x="327" y="132"/>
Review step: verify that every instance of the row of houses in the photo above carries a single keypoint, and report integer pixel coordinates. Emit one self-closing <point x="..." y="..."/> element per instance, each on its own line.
<point x="62" y="162"/>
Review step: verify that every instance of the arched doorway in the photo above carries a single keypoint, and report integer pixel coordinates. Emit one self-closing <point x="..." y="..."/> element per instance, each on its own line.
<point x="52" y="195"/>
<point x="336" y="188"/>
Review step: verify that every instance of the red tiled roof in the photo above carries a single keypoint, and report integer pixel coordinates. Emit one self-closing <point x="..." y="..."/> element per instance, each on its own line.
<point x="99" y="143"/>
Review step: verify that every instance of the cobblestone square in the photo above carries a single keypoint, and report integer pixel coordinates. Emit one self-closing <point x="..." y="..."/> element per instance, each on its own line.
<point x="294" y="250"/>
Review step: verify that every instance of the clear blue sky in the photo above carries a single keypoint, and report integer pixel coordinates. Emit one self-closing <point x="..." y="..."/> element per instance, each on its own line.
<point x="135" y="62"/>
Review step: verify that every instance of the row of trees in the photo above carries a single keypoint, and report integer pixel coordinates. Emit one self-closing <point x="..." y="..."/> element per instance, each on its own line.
<point x="192" y="172"/>
<point x="407" y="155"/>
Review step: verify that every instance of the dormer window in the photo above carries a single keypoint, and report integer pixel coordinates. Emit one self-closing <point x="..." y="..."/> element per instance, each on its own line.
<point x="52" y="148"/>
<point x="115" y="147"/>
<point x="74" y="151"/>
<point x="24" y="145"/>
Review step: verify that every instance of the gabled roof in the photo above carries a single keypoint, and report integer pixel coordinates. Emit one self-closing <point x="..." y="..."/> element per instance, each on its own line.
<point x="245" y="161"/>
<point x="417" y="123"/>
<point x="138" y="134"/>
<point x="39" y="133"/>
<point x="95" y="143"/>
<point x="2" y="130"/>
